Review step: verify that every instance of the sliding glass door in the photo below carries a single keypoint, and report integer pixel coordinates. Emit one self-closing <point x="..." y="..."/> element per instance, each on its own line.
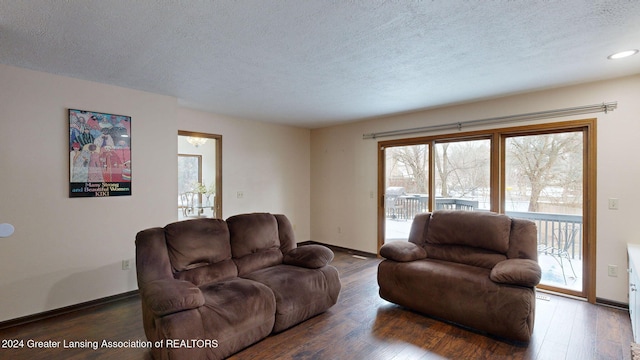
<point x="544" y="173"/>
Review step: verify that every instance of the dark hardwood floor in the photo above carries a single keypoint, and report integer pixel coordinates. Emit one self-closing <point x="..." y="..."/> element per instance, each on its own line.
<point x="359" y="326"/>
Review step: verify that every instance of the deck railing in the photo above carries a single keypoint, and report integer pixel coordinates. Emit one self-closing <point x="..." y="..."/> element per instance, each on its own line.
<point x="408" y="206"/>
<point x="456" y="204"/>
<point x="558" y="234"/>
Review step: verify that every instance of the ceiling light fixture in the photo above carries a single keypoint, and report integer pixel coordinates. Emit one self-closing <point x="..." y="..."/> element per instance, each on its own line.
<point x="622" y="54"/>
<point x="196" y="141"/>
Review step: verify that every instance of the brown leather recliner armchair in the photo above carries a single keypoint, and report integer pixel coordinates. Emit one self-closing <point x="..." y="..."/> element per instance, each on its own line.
<point x="476" y="269"/>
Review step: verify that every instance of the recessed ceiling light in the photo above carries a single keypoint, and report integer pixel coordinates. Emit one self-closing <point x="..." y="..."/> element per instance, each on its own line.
<point x="622" y="54"/>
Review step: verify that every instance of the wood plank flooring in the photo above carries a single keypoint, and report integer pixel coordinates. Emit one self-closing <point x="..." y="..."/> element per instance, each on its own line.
<point x="359" y="326"/>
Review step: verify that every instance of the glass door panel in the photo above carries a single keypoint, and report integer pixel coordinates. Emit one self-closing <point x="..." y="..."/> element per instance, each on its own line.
<point x="544" y="183"/>
<point x="462" y="175"/>
<point x="406" y="188"/>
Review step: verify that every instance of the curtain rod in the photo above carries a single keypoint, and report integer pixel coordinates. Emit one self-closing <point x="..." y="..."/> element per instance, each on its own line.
<point x="587" y="109"/>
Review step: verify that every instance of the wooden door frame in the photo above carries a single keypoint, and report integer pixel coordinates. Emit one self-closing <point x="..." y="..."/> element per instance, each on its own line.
<point x="218" y="168"/>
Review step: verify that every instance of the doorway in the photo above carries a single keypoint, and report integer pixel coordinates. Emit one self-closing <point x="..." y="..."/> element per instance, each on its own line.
<point x="199" y="175"/>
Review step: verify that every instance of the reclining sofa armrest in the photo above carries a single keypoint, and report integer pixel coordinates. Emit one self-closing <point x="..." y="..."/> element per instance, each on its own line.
<point x="522" y="272"/>
<point x="402" y="251"/>
<point x="309" y="256"/>
<point x="168" y="296"/>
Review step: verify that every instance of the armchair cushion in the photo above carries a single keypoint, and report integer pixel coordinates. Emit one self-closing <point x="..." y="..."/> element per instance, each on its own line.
<point x="465" y="255"/>
<point x="523" y="272"/>
<point x="309" y="256"/>
<point x="167" y="296"/>
<point x="402" y="251"/>
<point x="489" y="231"/>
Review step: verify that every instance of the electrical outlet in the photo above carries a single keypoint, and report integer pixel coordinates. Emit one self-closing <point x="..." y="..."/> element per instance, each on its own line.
<point x="240" y="195"/>
<point x="613" y="204"/>
<point x="613" y="270"/>
<point x="126" y="264"/>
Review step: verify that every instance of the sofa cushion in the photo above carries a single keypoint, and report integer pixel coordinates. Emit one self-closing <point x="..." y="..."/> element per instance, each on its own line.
<point x="300" y="293"/>
<point x="237" y="313"/>
<point x="197" y="242"/>
<point x="169" y="296"/>
<point x="483" y="230"/>
<point x="522" y="272"/>
<point x="200" y="243"/>
<point x="152" y="260"/>
<point x="255" y="243"/>
<point x="523" y="243"/>
<point x="402" y="251"/>
<point x="285" y="233"/>
<point x="419" y="226"/>
<point x="222" y="270"/>
<point x="309" y="256"/>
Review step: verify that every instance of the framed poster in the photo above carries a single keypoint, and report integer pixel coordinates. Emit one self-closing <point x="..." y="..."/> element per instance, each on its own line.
<point x="99" y="154"/>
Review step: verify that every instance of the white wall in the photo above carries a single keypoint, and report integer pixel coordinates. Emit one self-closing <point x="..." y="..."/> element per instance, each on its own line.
<point x="344" y="169"/>
<point x="267" y="163"/>
<point x="67" y="251"/>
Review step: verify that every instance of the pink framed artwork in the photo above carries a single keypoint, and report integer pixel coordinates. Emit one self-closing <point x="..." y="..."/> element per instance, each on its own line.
<point x="99" y="154"/>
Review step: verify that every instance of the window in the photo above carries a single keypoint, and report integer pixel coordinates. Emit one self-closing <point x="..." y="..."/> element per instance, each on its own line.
<point x="199" y="175"/>
<point x="189" y="172"/>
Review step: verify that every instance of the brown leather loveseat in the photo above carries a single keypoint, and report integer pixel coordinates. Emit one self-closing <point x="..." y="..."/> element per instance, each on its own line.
<point x="210" y="287"/>
<point x="476" y="269"/>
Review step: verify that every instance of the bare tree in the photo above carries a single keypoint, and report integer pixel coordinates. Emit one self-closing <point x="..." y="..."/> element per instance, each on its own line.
<point x="442" y="167"/>
<point x="462" y="167"/>
<point x="415" y="160"/>
<point x="551" y="162"/>
<point x="540" y="160"/>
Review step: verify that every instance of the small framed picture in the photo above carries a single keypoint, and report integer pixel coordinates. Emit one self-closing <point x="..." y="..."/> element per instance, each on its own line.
<point x="99" y="154"/>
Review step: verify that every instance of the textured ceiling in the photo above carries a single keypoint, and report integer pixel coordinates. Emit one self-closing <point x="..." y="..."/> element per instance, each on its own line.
<point x="313" y="63"/>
